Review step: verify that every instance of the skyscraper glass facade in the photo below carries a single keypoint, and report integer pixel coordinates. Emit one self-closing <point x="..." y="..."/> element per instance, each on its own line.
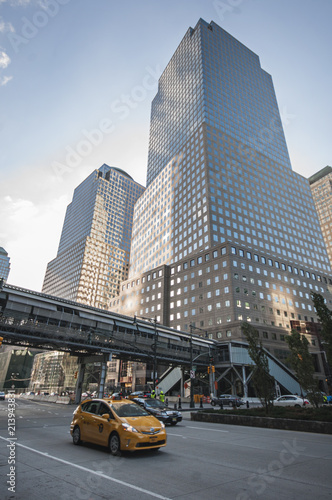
<point x="234" y="225"/>
<point x="216" y="109"/>
<point x="4" y="264"/>
<point x="321" y="188"/>
<point x="213" y="78"/>
<point x="94" y="249"/>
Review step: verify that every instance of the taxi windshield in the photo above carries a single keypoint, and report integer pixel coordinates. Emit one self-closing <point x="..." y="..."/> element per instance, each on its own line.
<point x="129" y="410"/>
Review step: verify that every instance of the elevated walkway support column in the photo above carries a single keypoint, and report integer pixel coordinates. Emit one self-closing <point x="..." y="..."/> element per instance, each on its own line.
<point x="79" y="383"/>
<point x="103" y="372"/>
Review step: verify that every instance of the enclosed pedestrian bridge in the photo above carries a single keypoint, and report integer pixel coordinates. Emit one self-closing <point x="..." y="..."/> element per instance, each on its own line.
<point x="36" y="320"/>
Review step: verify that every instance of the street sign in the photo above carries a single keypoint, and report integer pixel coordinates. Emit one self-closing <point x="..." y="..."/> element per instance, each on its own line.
<point x="194" y="368"/>
<point x="192" y="373"/>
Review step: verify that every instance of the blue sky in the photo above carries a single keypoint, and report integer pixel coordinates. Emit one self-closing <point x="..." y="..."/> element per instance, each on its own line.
<point x="77" y="78"/>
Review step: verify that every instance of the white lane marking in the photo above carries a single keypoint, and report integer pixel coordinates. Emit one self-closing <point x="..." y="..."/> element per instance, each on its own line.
<point x="85" y="469"/>
<point x="204" y="429"/>
<point x="177" y="435"/>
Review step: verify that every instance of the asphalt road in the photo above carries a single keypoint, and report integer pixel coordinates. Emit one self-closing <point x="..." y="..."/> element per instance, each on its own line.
<point x="201" y="461"/>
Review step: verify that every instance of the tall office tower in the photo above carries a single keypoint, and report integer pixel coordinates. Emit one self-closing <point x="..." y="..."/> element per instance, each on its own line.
<point x="94" y="249"/>
<point x="4" y="264"/>
<point x="216" y="139"/>
<point x="321" y="188"/>
<point x="214" y="79"/>
<point x="223" y="211"/>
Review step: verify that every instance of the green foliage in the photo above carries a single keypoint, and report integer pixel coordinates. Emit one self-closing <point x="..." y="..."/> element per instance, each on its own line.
<point x="263" y="382"/>
<point x="325" y="318"/>
<point x="303" y="366"/>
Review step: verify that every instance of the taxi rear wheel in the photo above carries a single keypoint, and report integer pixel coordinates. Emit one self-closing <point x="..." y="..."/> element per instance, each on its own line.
<point x="77" y="435"/>
<point x="114" y="444"/>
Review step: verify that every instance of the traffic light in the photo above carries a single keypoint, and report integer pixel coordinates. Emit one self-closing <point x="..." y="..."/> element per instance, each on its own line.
<point x="208" y="369"/>
<point x="75" y="374"/>
<point x="213" y="368"/>
<point x="1" y="339"/>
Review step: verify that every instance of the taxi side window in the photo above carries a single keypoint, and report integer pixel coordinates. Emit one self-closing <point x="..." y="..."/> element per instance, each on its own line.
<point x="90" y="407"/>
<point x="85" y="406"/>
<point x="105" y="409"/>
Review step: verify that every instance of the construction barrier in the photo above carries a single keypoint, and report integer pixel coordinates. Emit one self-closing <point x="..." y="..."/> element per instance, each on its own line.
<point x="199" y="397"/>
<point x="63" y="400"/>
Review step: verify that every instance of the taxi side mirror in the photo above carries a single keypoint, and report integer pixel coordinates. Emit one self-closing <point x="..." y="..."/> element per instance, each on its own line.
<point x="105" y="416"/>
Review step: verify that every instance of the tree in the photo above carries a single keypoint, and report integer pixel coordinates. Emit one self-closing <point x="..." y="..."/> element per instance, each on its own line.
<point x="303" y="366"/>
<point x="325" y="318"/>
<point x="263" y="382"/>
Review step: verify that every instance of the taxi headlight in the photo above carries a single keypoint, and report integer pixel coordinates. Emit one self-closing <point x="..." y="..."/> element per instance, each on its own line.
<point x="129" y="428"/>
<point x="162" y="425"/>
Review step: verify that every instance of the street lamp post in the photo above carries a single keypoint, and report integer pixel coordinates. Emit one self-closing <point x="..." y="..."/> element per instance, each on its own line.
<point x="154" y="353"/>
<point x="192" y="372"/>
<point x="192" y="402"/>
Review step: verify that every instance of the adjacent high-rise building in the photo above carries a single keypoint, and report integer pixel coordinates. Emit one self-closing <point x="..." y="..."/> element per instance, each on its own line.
<point x="321" y="188"/>
<point x="225" y="231"/>
<point x="94" y="249"/>
<point x="4" y="264"/>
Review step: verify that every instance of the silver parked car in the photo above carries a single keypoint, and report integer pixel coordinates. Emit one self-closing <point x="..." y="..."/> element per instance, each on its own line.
<point x="291" y="400"/>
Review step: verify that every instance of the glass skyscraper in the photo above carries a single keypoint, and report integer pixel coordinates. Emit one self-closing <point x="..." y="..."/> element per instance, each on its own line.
<point x="4" y="264"/>
<point x="215" y="123"/>
<point x="233" y="225"/>
<point x="94" y="249"/>
<point x="214" y="79"/>
<point x="321" y="188"/>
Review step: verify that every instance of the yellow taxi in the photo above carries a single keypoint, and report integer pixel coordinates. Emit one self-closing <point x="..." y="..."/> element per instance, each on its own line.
<point x="119" y="424"/>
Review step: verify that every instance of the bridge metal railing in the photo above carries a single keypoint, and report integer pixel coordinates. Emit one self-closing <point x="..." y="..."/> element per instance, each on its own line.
<point x="17" y="327"/>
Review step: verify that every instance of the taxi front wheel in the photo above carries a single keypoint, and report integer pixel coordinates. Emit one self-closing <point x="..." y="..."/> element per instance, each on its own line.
<point x="114" y="444"/>
<point x="77" y="435"/>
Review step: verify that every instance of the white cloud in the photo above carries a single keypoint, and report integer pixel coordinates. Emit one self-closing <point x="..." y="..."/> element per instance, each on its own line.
<point x="14" y="3"/>
<point x="4" y="59"/>
<point x="4" y="80"/>
<point x="30" y="234"/>
<point x="5" y="27"/>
